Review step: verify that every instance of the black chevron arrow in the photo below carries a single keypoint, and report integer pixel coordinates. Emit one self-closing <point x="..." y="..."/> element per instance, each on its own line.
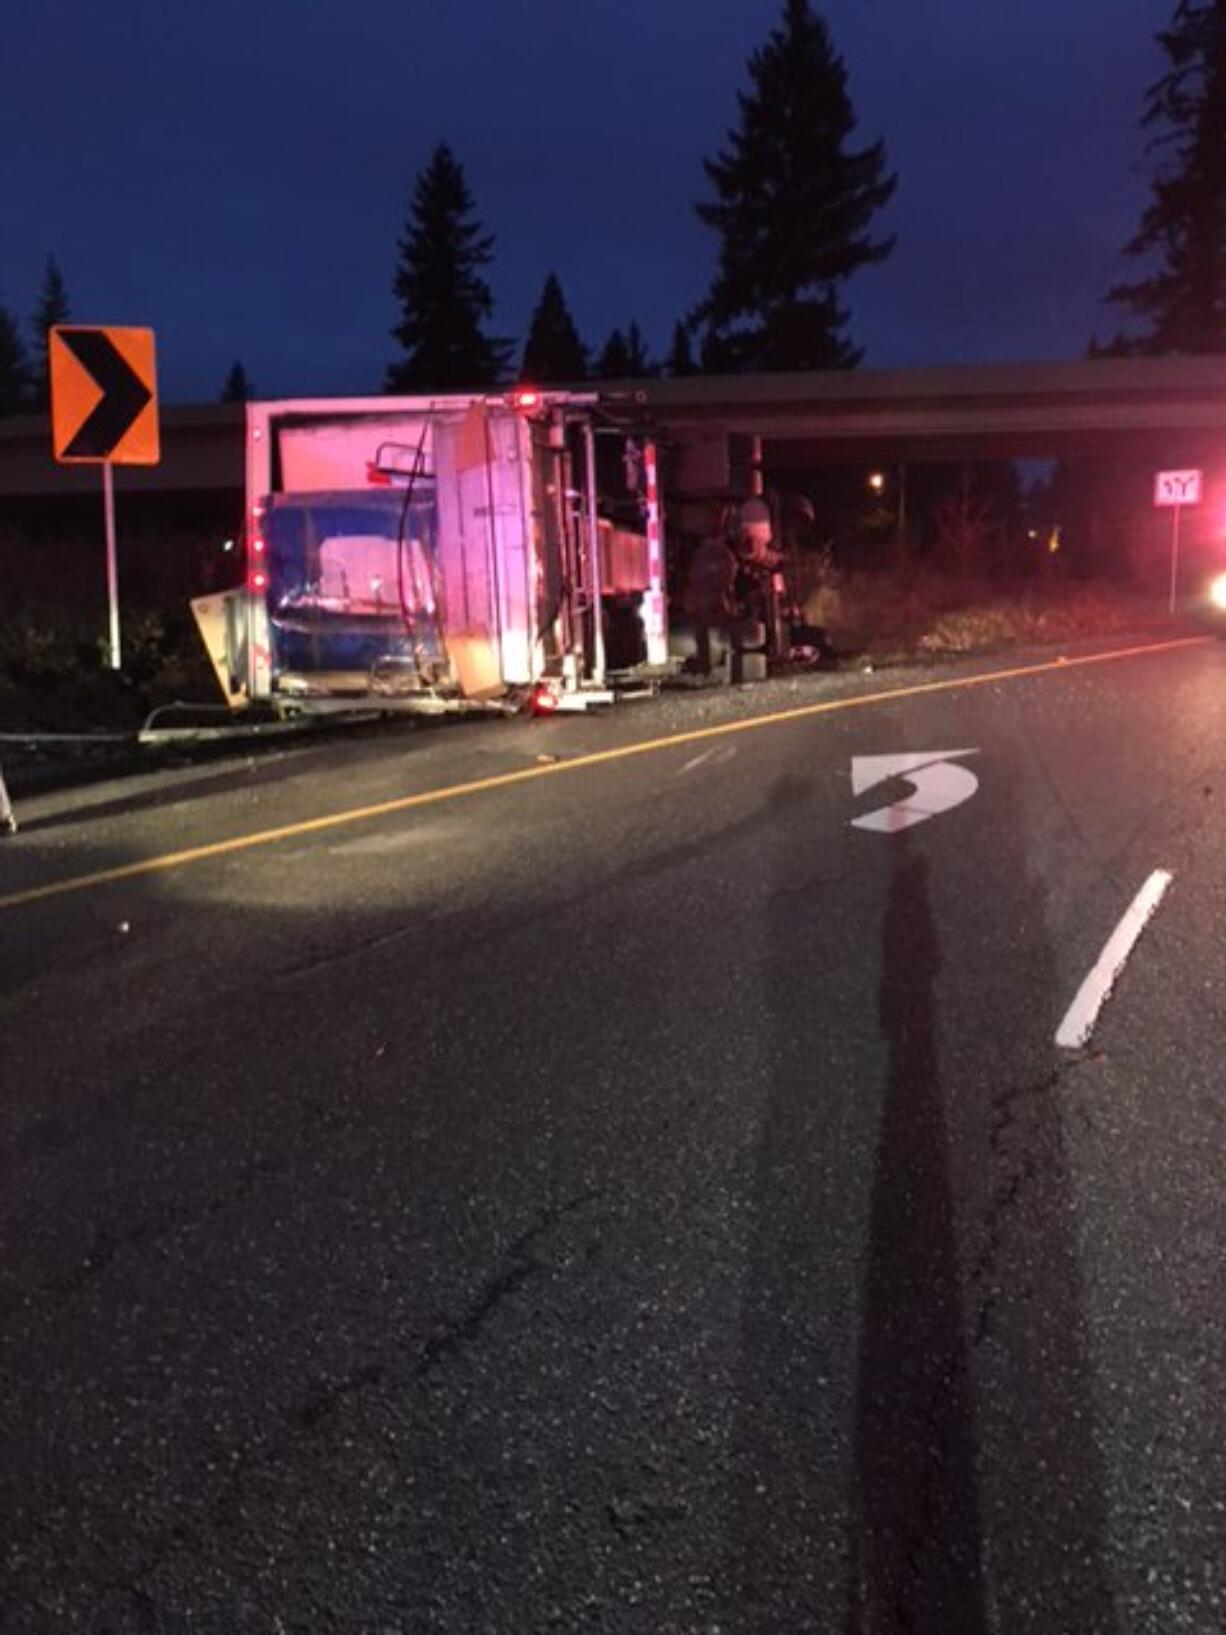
<point x="124" y="394"/>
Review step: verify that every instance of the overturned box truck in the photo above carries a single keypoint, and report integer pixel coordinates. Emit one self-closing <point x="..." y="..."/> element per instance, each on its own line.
<point x="438" y="554"/>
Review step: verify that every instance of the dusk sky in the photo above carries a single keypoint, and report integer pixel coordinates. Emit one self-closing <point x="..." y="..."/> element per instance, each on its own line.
<point x="235" y="174"/>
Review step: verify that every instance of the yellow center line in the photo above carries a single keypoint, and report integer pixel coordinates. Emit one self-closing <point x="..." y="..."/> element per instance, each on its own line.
<point x="553" y="769"/>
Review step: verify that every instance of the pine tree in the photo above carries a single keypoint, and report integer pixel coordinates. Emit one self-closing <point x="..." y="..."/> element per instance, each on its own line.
<point x="445" y="301"/>
<point x="624" y="356"/>
<point x="553" y="353"/>
<point x="680" y="359"/>
<point x="237" y="388"/>
<point x="793" y="207"/>
<point x="640" y="358"/>
<point x="15" y="396"/>
<point x="614" y="360"/>
<point x="1183" y="231"/>
<point x="52" y="309"/>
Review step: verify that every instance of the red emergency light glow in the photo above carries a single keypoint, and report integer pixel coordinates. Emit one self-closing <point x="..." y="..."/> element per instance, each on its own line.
<point x="258" y="546"/>
<point x="258" y="580"/>
<point x="544" y="700"/>
<point x="527" y="399"/>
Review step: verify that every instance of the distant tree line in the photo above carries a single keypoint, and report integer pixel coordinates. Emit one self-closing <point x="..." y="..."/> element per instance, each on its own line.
<point x="1178" y="304"/>
<point x="25" y="369"/>
<point x="1174" y="304"/>
<point x="792" y="204"/>
<point x="25" y="379"/>
<point x="792" y="207"/>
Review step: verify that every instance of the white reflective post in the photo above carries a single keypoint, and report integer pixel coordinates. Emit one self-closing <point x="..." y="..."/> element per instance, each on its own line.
<point x="112" y="563"/>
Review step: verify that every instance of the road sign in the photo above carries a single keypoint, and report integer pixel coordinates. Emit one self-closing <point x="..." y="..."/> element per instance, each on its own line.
<point x="103" y="396"/>
<point x="1178" y="488"/>
<point x="937" y="785"/>
<point x="1172" y="491"/>
<point x="104" y="411"/>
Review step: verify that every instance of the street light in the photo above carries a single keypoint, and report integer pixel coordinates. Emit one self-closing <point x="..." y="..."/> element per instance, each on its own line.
<point x="877" y="483"/>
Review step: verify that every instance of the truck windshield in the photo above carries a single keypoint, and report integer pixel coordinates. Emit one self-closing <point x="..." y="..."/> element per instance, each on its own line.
<point x="351" y="579"/>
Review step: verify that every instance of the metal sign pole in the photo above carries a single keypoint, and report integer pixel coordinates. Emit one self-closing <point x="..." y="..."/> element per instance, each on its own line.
<point x="112" y="563"/>
<point x="1178" y="509"/>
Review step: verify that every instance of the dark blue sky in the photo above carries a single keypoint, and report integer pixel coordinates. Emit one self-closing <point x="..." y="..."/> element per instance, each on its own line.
<point x="235" y="172"/>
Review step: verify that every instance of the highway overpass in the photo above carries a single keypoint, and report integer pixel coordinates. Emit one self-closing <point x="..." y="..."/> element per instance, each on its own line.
<point x="1166" y="410"/>
<point x="1155" y="411"/>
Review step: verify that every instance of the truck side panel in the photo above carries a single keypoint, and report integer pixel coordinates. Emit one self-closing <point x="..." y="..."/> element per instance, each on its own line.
<point x="509" y="472"/>
<point x="466" y="556"/>
<point x="483" y="467"/>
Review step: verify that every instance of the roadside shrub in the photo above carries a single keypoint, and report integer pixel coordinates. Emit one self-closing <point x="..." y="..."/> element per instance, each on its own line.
<point x="31" y="655"/>
<point x="57" y="679"/>
<point x="923" y="612"/>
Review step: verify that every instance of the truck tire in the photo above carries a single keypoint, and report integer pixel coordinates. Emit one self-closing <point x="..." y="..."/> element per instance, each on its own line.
<point x="748" y="667"/>
<point x="748" y="635"/>
<point x="683" y="644"/>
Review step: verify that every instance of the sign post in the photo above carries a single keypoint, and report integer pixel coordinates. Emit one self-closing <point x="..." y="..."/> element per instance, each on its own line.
<point x="112" y="567"/>
<point x="104" y="412"/>
<point x="1176" y="513"/>
<point x="1172" y="491"/>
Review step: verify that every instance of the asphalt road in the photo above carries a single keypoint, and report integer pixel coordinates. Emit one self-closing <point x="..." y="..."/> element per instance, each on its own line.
<point x="616" y="1194"/>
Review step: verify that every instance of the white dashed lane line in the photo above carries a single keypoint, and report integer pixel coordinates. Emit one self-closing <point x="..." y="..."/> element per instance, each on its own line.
<point x="1078" y="1024"/>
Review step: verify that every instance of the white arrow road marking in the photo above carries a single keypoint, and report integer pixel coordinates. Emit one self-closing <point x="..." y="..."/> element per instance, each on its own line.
<point x="937" y="786"/>
<point x="1078" y="1025"/>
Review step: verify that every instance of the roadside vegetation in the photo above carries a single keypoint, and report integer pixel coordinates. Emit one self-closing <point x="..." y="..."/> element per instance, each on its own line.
<point x="54" y="677"/>
<point x="926" y="614"/>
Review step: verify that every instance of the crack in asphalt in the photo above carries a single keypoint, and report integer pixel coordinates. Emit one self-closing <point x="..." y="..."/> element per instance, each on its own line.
<point x="452" y="1337"/>
<point x="519" y="1264"/>
<point x="1007" y="1111"/>
<point x="179" y="1220"/>
<point x="105" y="1246"/>
<point x="953" y="1371"/>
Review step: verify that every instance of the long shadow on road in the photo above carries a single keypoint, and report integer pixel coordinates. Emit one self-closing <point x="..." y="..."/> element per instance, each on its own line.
<point x="917" y="1540"/>
<point x="915" y="1448"/>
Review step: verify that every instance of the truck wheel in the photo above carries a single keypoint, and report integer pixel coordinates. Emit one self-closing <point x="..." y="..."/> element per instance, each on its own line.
<point x="748" y="667"/>
<point x="747" y="635"/>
